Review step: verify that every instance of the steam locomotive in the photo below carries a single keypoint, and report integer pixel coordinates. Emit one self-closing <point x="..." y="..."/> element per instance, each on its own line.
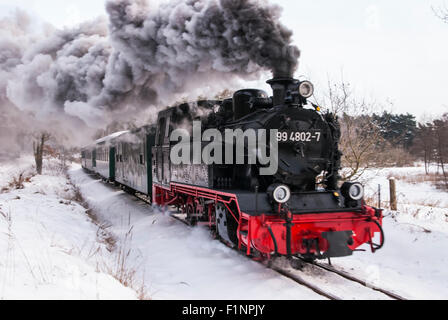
<point x="299" y="210"/>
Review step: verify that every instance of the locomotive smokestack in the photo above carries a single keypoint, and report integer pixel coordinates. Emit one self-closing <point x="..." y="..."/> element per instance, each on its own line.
<point x="282" y="88"/>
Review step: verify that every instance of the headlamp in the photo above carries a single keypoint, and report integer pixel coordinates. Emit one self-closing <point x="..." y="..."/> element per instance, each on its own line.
<point x="280" y="193"/>
<point x="306" y="89"/>
<point x="353" y="191"/>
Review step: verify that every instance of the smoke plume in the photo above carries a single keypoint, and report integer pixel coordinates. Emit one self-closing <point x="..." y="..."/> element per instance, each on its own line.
<point x="140" y="56"/>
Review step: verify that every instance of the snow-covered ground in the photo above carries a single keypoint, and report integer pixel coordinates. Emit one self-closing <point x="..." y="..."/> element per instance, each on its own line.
<point x="10" y="169"/>
<point x="414" y="259"/>
<point x="418" y="203"/>
<point x="50" y="248"/>
<point x="177" y="262"/>
<point x="48" y="245"/>
<point x="181" y="263"/>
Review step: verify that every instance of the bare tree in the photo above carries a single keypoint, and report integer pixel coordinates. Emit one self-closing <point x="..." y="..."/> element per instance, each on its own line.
<point x="38" y="148"/>
<point x="360" y="136"/>
<point x="425" y="144"/>
<point x="441" y="135"/>
<point x="441" y="12"/>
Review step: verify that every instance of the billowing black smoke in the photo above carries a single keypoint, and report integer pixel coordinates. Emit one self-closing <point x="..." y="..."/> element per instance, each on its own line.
<point x="142" y="56"/>
<point x="185" y="37"/>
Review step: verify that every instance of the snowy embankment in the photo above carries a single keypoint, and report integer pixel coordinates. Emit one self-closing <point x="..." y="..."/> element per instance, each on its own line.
<point x="51" y="248"/>
<point x="48" y="245"/>
<point x="419" y="201"/>
<point x="414" y="259"/>
<point x="10" y="169"/>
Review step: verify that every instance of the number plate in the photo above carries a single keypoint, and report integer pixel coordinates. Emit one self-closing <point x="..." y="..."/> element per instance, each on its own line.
<point x="299" y="136"/>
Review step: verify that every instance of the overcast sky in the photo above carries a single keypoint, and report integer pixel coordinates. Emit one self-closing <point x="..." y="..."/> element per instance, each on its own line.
<point x="388" y="50"/>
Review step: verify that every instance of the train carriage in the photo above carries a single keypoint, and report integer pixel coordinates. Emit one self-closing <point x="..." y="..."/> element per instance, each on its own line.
<point x="99" y="157"/>
<point x="105" y="156"/>
<point x="133" y="168"/>
<point x="88" y="156"/>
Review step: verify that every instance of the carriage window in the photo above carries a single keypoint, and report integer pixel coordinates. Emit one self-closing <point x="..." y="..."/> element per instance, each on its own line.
<point x="141" y="159"/>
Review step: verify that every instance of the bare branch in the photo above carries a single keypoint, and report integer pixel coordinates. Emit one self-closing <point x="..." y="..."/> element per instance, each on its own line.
<point x="441" y="12"/>
<point x="360" y="136"/>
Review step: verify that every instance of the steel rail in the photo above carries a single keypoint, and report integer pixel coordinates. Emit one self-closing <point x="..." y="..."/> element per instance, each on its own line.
<point x="355" y="279"/>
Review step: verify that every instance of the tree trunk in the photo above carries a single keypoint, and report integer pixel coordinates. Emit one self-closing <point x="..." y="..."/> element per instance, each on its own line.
<point x="442" y="159"/>
<point x="39" y="153"/>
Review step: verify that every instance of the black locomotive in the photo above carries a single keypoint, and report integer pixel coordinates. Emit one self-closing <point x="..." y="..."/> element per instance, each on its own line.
<point x="298" y="210"/>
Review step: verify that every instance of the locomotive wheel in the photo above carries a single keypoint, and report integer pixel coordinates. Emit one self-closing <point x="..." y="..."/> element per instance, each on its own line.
<point x="190" y="210"/>
<point x="226" y="226"/>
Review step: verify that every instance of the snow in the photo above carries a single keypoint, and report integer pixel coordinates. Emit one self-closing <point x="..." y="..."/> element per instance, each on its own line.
<point x="418" y="203"/>
<point x="45" y="243"/>
<point x="110" y="137"/>
<point x="414" y="259"/>
<point x="181" y="263"/>
<point x="412" y="263"/>
<point x="178" y="262"/>
<point x="12" y="168"/>
<point x="50" y="248"/>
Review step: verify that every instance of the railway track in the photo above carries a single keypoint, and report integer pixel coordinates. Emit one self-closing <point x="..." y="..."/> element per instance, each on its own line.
<point x="294" y="276"/>
<point x="332" y="283"/>
<point x="305" y="283"/>
<point x="348" y="276"/>
<point x="299" y="279"/>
